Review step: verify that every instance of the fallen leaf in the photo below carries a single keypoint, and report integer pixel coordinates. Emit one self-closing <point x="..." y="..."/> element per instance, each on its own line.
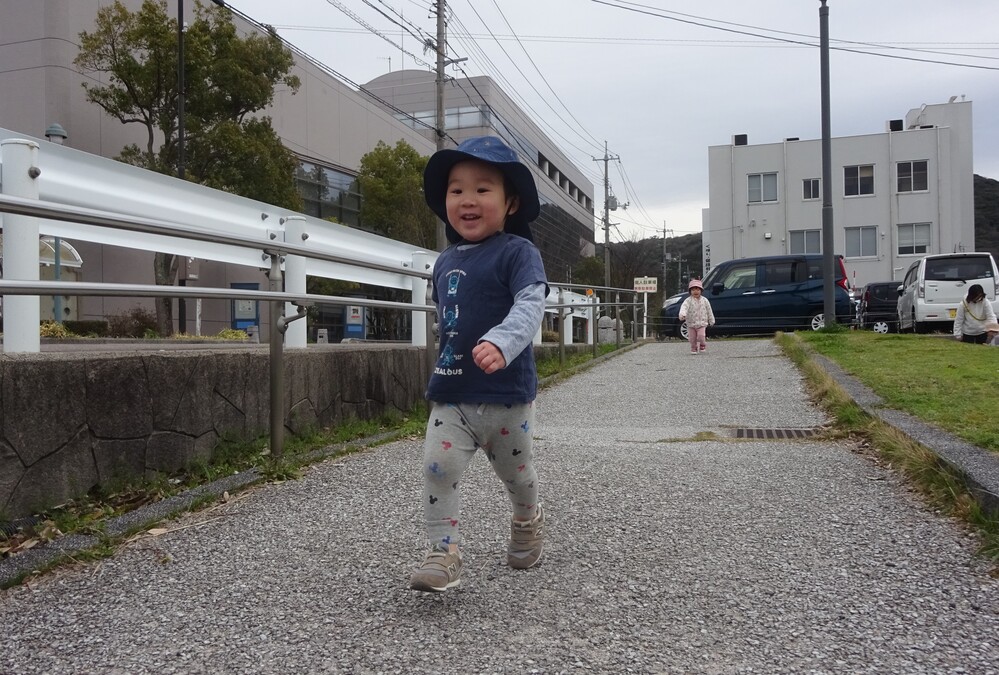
<point x="157" y="531"/>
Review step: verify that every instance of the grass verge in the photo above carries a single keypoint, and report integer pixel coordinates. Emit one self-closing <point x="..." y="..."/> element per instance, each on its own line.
<point x="940" y="484"/>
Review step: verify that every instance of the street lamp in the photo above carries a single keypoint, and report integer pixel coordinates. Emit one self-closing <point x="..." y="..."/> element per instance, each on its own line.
<point x="56" y="134"/>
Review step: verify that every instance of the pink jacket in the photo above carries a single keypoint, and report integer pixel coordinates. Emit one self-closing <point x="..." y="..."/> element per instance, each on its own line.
<point x="697" y="312"/>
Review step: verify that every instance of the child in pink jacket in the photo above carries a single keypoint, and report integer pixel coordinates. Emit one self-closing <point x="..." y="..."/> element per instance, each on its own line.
<point x="696" y="310"/>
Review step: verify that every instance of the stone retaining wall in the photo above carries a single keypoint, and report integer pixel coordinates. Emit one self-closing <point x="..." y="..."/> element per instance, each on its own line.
<point x="71" y="422"/>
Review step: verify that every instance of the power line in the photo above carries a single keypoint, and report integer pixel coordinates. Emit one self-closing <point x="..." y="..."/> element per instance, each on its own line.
<point x="680" y="42"/>
<point x="776" y="39"/>
<point x="596" y="143"/>
<point x="375" y="31"/>
<point x="526" y="79"/>
<point x="489" y="67"/>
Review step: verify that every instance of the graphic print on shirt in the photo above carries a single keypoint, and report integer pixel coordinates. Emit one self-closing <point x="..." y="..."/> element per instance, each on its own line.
<point x="453" y="278"/>
<point x="449" y="323"/>
<point x="449" y="326"/>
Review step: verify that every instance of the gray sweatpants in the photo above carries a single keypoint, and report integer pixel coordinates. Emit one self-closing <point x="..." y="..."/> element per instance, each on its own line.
<point x="454" y="433"/>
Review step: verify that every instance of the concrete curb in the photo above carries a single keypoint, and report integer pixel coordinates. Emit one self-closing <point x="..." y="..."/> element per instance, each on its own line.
<point x="977" y="466"/>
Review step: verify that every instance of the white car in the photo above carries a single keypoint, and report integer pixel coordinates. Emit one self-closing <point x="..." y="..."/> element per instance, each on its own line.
<point x="934" y="286"/>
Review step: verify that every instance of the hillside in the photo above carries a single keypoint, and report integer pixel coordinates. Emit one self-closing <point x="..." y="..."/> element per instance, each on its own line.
<point x="987" y="215"/>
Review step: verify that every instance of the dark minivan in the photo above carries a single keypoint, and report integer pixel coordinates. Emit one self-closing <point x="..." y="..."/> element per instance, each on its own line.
<point x="764" y="295"/>
<point x="879" y="306"/>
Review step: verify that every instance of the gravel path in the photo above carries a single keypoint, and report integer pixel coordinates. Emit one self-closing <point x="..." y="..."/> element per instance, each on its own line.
<point x="665" y="555"/>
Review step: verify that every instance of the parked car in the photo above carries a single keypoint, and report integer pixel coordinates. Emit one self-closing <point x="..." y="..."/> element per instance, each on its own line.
<point x="934" y="286"/>
<point x="763" y="295"/>
<point x="878" y="309"/>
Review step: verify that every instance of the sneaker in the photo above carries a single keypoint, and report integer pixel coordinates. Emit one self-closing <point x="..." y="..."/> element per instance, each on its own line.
<point x="693" y="352"/>
<point x="527" y="541"/>
<point x="704" y="348"/>
<point x="440" y="571"/>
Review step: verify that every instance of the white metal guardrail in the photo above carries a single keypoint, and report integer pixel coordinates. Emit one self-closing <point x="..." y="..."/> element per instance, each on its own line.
<point x="49" y="189"/>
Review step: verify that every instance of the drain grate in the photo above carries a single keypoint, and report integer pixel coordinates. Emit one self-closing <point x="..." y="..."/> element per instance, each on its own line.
<point x="751" y="432"/>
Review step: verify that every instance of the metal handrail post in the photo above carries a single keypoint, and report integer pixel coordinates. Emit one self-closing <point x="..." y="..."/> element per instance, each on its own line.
<point x="22" y="314"/>
<point x="561" y="329"/>
<point x="296" y="335"/>
<point x="594" y="328"/>
<point x="419" y="320"/>
<point x="634" y="322"/>
<point x="431" y="343"/>
<point x="617" y="318"/>
<point x="277" y="360"/>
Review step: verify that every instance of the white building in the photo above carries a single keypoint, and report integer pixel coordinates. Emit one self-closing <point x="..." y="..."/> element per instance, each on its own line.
<point x="896" y="196"/>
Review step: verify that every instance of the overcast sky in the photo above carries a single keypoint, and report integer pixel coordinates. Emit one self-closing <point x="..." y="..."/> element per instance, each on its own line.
<point x="661" y="80"/>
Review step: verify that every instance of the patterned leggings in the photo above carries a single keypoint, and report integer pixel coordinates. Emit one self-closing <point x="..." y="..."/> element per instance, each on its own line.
<point x="696" y="336"/>
<point x="454" y="433"/>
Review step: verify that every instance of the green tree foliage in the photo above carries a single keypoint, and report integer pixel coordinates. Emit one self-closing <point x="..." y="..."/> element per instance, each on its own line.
<point x="227" y="79"/>
<point x="589" y="271"/>
<point x="391" y="180"/>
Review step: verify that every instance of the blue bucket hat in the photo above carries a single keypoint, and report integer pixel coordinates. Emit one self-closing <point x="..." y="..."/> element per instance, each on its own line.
<point x="491" y="150"/>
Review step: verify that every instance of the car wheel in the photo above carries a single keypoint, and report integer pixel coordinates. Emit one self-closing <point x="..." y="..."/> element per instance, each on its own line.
<point x="881" y="327"/>
<point x="682" y="332"/>
<point x="818" y="321"/>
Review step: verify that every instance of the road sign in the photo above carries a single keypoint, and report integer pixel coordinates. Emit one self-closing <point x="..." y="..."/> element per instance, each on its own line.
<point x="646" y="284"/>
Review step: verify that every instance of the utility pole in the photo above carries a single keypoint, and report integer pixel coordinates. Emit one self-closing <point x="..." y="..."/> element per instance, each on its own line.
<point x="664" y="257"/>
<point x="441" y="49"/>
<point x="828" y="259"/>
<point x="607" y="208"/>
<point x="181" y="28"/>
<point x="442" y="62"/>
<point x="180" y="89"/>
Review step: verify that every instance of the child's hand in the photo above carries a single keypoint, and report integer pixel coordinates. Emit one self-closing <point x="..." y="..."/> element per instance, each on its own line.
<point x="682" y="317"/>
<point x="488" y="357"/>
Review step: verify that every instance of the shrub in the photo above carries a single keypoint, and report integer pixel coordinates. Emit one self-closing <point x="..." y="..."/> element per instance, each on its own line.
<point x="232" y="334"/>
<point x="51" y="329"/>
<point x="89" y="328"/>
<point x="135" y="323"/>
<point x="549" y="336"/>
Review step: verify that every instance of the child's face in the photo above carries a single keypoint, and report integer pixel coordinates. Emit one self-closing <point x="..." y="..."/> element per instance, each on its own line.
<point x="695" y="291"/>
<point x="477" y="203"/>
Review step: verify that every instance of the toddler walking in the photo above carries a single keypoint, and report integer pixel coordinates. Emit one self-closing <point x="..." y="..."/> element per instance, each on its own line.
<point x="489" y="287"/>
<point x="696" y="310"/>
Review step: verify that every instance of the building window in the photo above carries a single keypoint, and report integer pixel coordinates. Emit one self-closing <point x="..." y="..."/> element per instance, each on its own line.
<point x="468" y="117"/>
<point x="858" y="180"/>
<point x="762" y="187"/>
<point x="328" y="193"/>
<point x="913" y="238"/>
<point x="805" y="241"/>
<point x="861" y="242"/>
<point x="810" y="188"/>
<point x="912" y="176"/>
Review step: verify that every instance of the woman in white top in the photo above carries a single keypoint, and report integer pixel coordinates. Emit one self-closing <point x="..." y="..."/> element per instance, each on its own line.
<point x="972" y="314"/>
